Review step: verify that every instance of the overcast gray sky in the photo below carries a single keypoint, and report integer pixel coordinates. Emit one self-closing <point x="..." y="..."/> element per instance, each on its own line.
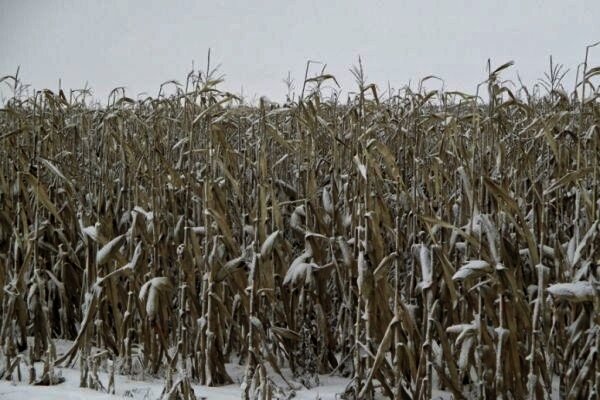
<point x="139" y="44"/>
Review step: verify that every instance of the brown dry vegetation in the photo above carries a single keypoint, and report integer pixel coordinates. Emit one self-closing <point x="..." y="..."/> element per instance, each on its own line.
<point x="424" y="241"/>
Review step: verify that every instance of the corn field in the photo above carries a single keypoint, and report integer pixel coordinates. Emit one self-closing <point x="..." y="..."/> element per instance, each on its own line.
<point x="415" y="242"/>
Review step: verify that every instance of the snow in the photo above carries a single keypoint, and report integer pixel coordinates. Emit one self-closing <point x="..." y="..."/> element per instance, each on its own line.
<point x="576" y="292"/>
<point x="149" y="388"/>
<point x="146" y="387"/>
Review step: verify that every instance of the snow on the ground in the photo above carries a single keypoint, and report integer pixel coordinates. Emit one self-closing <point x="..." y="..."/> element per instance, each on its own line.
<point x="148" y="388"/>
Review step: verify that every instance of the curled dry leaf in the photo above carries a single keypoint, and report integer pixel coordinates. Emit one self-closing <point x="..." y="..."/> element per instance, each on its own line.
<point x="472" y="269"/>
